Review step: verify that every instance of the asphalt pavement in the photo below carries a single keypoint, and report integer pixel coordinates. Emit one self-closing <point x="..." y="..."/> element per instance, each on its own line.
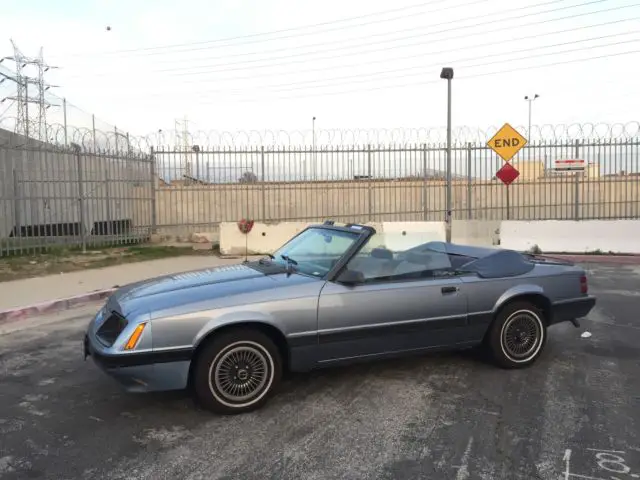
<point x="574" y="415"/>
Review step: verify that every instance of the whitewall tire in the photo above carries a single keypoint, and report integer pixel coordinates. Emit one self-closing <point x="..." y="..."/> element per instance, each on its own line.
<point x="237" y="371"/>
<point x="518" y="335"/>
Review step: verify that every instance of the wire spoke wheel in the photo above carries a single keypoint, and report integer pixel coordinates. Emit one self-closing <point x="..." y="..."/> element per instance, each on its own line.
<point x="240" y="373"/>
<point x="521" y="335"/>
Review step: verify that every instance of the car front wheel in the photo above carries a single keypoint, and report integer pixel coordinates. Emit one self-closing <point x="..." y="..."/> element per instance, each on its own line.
<point x="237" y="371"/>
<point x="517" y="335"/>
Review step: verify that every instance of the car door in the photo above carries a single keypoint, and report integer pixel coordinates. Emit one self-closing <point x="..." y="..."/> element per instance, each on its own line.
<point x="390" y="316"/>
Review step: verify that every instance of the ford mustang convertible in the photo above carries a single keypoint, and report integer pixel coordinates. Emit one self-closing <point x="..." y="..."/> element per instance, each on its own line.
<point x="333" y="294"/>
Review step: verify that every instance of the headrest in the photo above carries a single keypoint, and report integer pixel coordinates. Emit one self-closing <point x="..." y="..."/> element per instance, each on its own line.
<point x="382" y="253"/>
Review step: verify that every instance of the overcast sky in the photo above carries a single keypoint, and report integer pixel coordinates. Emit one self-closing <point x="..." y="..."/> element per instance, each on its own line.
<point x="351" y="63"/>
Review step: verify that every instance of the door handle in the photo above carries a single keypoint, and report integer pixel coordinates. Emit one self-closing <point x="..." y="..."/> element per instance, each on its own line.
<point x="449" y="289"/>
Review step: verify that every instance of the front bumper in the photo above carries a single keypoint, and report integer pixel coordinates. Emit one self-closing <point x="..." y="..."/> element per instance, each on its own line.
<point x="143" y="372"/>
<point x="569" y="310"/>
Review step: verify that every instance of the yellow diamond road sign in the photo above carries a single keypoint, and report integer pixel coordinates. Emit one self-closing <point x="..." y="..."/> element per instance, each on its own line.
<point x="507" y="142"/>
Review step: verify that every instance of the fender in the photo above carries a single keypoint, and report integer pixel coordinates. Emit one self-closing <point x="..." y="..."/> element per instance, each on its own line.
<point x="518" y="291"/>
<point x="234" y="318"/>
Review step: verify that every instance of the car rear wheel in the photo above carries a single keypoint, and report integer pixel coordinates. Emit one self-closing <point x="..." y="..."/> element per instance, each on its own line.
<point x="237" y="372"/>
<point x="518" y="335"/>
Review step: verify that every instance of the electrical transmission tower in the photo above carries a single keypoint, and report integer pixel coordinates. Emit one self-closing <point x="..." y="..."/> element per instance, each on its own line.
<point x="24" y="97"/>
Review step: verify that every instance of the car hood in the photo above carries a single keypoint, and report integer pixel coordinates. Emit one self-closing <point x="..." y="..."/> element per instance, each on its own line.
<point x="185" y="281"/>
<point x="198" y="286"/>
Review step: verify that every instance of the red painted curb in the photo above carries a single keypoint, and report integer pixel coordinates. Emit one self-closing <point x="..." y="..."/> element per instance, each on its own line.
<point x="20" y="313"/>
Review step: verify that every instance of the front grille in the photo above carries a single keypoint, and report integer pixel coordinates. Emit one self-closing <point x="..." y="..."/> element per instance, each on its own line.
<point x="111" y="328"/>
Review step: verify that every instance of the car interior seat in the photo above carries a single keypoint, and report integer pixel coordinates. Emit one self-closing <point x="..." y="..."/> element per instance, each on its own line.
<point x="379" y="263"/>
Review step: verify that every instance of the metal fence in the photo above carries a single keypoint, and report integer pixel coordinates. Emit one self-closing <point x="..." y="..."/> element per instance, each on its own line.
<point x="391" y="182"/>
<point x="53" y="195"/>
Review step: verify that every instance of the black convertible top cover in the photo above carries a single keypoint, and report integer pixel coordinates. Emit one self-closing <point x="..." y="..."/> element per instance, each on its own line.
<point x="501" y="264"/>
<point x="487" y="262"/>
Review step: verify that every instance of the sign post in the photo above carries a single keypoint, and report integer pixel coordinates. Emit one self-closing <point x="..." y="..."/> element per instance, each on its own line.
<point x="507" y="142"/>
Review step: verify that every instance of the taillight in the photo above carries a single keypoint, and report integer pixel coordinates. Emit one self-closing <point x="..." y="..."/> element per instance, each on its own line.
<point x="584" y="286"/>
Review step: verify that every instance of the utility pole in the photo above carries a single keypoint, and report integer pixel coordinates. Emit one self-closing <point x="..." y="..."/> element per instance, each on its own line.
<point x="22" y="97"/>
<point x="530" y="100"/>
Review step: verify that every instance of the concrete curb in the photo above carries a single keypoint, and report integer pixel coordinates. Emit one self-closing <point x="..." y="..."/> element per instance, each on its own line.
<point x="50" y="306"/>
<point x="602" y="259"/>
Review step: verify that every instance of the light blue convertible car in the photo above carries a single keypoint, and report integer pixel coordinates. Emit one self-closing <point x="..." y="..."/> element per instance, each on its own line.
<point x="331" y="295"/>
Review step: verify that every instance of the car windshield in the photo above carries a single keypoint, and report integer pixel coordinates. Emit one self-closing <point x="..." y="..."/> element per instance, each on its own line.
<point x="316" y="250"/>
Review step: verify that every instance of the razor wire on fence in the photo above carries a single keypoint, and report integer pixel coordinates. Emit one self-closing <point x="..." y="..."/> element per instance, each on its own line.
<point x="344" y="137"/>
<point x="93" y="134"/>
<point x="429" y="135"/>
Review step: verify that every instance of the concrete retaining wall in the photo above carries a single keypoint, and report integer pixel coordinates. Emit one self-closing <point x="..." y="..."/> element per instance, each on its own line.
<point x="550" y="236"/>
<point x="268" y="237"/>
<point x="263" y="237"/>
<point x="484" y="233"/>
<point x="404" y="235"/>
<point x="556" y="236"/>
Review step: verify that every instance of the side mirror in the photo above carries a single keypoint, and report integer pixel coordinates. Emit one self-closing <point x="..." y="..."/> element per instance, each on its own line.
<point x="350" y="277"/>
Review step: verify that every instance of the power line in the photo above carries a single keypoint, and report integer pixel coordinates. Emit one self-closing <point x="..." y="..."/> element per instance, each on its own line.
<point x="11" y="103"/>
<point x="313" y="83"/>
<point x="181" y="71"/>
<point x="435" y="72"/>
<point x="343" y="45"/>
<point x="303" y="27"/>
<point x="457" y="62"/>
<point x="431" y="33"/>
<point x="342" y="42"/>
<point x="422" y="54"/>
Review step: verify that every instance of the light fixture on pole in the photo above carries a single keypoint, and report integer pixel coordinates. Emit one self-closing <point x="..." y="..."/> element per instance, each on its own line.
<point x="530" y="100"/>
<point x="447" y="74"/>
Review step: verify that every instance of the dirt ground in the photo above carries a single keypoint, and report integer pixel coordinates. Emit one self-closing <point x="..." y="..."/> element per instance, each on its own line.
<point x="65" y="260"/>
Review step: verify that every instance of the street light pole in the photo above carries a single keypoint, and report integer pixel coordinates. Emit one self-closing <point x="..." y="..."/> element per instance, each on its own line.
<point x="313" y="130"/>
<point x="447" y="74"/>
<point x="530" y="100"/>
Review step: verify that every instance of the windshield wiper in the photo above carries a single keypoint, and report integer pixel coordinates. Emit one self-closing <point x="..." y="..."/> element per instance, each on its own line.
<point x="290" y="262"/>
<point x="289" y="259"/>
